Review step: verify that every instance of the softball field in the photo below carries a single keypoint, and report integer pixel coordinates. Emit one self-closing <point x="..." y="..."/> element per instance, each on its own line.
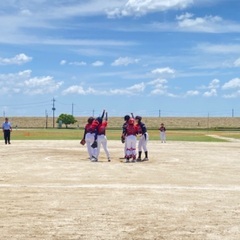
<point x="188" y="190"/>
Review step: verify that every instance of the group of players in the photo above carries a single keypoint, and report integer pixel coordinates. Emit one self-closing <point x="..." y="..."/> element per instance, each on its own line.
<point x="95" y="137"/>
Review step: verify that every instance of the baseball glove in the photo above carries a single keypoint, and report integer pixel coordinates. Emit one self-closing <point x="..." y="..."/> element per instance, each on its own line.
<point x="122" y="139"/>
<point x="82" y="142"/>
<point x="94" y="145"/>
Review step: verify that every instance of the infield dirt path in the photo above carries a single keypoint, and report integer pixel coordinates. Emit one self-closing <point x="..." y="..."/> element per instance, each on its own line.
<point x="49" y="190"/>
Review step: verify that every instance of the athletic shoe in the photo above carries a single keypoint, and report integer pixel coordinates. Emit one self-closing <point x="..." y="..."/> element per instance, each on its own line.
<point x="145" y="159"/>
<point x="127" y="161"/>
<point x="109" y="160"/>
<point x="133" y="161"/>
<point x="139" y="159"/>
<point x="94" y="159"/>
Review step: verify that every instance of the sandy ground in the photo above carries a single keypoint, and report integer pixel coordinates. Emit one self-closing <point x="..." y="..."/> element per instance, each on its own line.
<point x="49" y="190"/>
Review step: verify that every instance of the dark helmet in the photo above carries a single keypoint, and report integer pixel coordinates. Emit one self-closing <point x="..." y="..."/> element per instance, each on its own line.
<point x="138" y="118"/>
<point x="126" y="118"/>
<point x="99" y="119"/>
<point x="90" y="120"/>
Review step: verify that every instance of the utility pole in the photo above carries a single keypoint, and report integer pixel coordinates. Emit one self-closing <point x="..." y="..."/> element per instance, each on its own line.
<point x="232" y="112"/>
<point x="159" y="113"/>
<point x="46" y="114"/>
<point x="53" y="109"/>
<point x="93" y="112"/>
<point x="72" y="108"/>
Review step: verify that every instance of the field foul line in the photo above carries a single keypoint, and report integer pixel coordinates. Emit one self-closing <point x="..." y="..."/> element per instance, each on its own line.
<point x="127" y="186"/>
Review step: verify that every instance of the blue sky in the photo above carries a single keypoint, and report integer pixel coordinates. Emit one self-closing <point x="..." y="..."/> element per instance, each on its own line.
<point x="150" y="57"/>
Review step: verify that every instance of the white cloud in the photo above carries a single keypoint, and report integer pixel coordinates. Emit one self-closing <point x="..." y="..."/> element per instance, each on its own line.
<point x="237" y="63"/>
<point x="142" y="7"/>
<point x="215" y="83"/>
<point x="232" y="95"/>
<point x="23" y="82"/>
<point x="212" y="88"/>
<point x="81" y="63"/>
<point x="78" y="90"/>
<point x="124" y="61"/>
<point x="205" y="24"/>
<point x="219" y="48"/>
<point x="192" y="93"/>
<point x="17" y="60"/>
<point x="211" y="93"/>
<point x="132" y="90"/>
<point x="63" y="62"/>
<point x="163" y="72"/>
<point x="98" y="64"/>
<point x="232" y="84"/>
<point x="209" y="24"/>
<point x="159" y="87"/>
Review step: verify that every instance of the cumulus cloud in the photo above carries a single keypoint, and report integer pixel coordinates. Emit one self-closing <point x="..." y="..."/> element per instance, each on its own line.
<point x="16" y="60"/>
<point x="98" y="64"/>
<point x="211" y="93"/>
<point x="192" y="93"/>
<point x="24" y="82"/>
<point x="76" y="89"/>
<point x="232" y="84"/>
<point x="232" y="95"/>
<point x="63" y="62"/>
<point x="143" y="7"/>
<point x="124" y="61"/>
<point x="200" y="24"/>
<point x="81" y="63"/>
<point x="132" y="90"/>
<point x="165" y="70"/>
<point x="159" y="86"/>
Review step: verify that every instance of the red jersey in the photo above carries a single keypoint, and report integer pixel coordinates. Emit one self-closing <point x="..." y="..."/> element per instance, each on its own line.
<point x="131" y="130"/>
<point x="91" y="128"/>
<point x="162" y="129"/>
<point x="102" y="128"/>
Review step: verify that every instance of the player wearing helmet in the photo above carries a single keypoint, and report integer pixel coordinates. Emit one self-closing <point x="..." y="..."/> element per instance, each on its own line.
<point x="89" y="134"/>
<point x="101" y="136"/>
<point x="130" y="133"/>
<point x="123" y="138"/>
<point x="142" y="143"/>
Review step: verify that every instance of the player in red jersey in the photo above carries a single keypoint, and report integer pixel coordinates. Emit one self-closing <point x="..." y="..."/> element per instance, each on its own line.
<point x="130" y="134"/>
<point x="101" y="136"/>
<point x="89" y="134"/>
<point x="162" y="130"/>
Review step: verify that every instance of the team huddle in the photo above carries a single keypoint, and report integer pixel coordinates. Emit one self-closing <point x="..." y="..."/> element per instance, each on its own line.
<point x="95" y="136"/>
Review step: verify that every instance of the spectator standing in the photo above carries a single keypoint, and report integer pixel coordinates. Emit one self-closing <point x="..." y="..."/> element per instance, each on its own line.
<point x="7" y="128"/>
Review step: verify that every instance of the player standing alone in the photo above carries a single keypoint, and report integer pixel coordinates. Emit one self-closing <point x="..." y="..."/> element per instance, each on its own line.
<point x="162" y="130"/>
<point x="7" y="128"/>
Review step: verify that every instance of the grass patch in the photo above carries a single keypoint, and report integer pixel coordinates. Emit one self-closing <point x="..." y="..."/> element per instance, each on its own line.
<point x="113" y="134"/>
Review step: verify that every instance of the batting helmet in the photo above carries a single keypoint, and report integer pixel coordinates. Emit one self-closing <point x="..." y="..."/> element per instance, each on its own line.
<point x="138" y="118"/>
<point x="99" y="119"/>
<point x="90" y="120"/>
<point x="126" y="118"/>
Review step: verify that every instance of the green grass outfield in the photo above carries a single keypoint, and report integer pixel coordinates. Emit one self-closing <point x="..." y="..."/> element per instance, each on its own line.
<point x="76" y="134"/>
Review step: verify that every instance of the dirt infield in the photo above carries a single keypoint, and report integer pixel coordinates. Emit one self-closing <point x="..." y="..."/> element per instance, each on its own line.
<point x="49" y="190"/>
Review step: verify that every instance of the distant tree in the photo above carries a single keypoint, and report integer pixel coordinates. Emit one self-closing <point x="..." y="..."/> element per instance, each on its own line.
<point x="66" y="119"/>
